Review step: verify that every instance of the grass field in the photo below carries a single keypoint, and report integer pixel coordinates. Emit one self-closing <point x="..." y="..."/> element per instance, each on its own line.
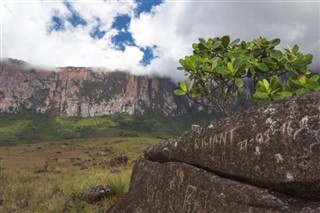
<point x="60" y="189"/>
<point x="78" y="153"/>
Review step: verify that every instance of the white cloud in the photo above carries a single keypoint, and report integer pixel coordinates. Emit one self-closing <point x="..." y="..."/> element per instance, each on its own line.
<point x="25" y="36"/>
<point x="172" y="27"/>
<point x="176" y="25"/>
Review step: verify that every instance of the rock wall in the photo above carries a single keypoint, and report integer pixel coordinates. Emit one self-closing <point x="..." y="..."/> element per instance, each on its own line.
<point x="80" y="91"/>
<point x="265" y="159"/>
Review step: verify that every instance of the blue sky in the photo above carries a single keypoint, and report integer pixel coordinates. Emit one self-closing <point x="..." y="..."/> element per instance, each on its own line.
<point x="146" y="36"/>
<point x="120" y="23"/>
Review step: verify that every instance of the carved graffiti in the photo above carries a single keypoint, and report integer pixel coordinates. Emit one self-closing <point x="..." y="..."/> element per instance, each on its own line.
<point x="210" y="141"/>
<point x="261" y="138"/>
<point x="264" y="137"/>
<point x="226" y="138"/>
<point x="187" y="204"/>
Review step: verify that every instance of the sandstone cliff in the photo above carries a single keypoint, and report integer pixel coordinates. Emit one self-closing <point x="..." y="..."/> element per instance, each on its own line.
<point x="80" y="91"/>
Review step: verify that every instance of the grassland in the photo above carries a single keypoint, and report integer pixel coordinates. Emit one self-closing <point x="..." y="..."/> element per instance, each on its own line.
<point x="32" y="128"/>
<point x="77" y="152"/>
<point x="73" y="166"/>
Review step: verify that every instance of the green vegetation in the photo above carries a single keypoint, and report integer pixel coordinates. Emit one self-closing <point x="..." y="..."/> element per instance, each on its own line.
<point x="77" y="152"/>
<point x="218" y="67"/>
<point x="61" y="188"/>
<point x="30" y="127"/>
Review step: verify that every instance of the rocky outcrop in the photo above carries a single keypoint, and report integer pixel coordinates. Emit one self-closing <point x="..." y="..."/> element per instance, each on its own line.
<point x="275" y="146"/>
<point x="181" y="188"/>
<point x="265" y="159"/>
<point x="81" y="91"/>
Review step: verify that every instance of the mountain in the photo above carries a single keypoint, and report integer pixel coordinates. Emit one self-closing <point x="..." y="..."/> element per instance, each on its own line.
<point x="86" y="92"/>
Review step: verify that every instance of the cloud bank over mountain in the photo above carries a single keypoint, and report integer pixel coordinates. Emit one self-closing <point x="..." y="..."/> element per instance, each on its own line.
<point x="146" y="37"/>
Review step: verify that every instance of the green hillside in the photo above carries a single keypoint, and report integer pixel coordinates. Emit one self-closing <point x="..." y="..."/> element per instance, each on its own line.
<point x="32" y="128"/>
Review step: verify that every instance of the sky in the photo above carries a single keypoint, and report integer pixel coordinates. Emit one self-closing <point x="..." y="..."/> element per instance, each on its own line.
<point x="147" y="36"/>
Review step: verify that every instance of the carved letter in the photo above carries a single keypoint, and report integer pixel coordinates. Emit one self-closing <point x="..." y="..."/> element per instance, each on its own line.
<point x="297" y="132"/>
<point x="215" y="139"/>
<point x="286" y="128"/>
<point x="289" y="129"/>
<point x="231" y="135"/>
<point x="223" y="137"/>
<point x="187" y="196"/>
<point x="206" y="142"/>
<point x="243" y="144"/>
<point x="259" y="138"/>
<point x="266" y="135"/>
<point x="196" y="144"/>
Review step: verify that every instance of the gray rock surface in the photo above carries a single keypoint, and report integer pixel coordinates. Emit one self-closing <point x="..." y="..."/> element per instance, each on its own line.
<point x="181" y="188"/>
<point x="97" y="193"/>
<point x="266" y="159"/>
<point x="276" y="146"/>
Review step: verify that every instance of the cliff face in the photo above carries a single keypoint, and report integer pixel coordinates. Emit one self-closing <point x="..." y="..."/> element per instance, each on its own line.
<point x="80" y="91"/>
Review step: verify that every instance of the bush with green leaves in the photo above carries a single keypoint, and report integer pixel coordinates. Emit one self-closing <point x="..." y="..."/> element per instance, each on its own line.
<point x="218" y="67"/>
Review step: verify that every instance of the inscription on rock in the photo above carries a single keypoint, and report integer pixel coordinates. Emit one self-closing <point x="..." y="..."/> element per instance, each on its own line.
<point x="261" y="145"/>
<point x="227" y="138"/>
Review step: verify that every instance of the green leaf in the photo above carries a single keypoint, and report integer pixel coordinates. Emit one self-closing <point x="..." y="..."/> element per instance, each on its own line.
<point x="216" y="45"/>
<point x="235" y="42"/>
<point x="252" y="71"/>
<point x="308" y="72"/>
<point x="275" y="83"/>
<point x="303" y="80"/>
<point x="222" y="70"/>
<point x="207" y="68"/>
<point x="239" y="82"/>
<point x="202" y="46"/>
<point x="293" y="84"/>
<point x="277" y="55"/>
<point x="281" y="95"/>
<point x="314" y="78"/>
<point x="190" y="85"/>
<point x="300" y="91"/>
<point x="179" y="92"/>
<point x="288" y="49"/>
<point x="238" y="63"/>
<point x="266" y="84"/>
<point x="308" y="57"/>
<point x="312" y="85"/>
<point x="230" y="67"/>
<point x="275" y="42"/>
<point x="183" y="86"/>
<point x="214" y="62"/>
<point x="225" y="41"/>
<point x="262" y="67"/>
<point x="202" y="41"/>
<point x="295" y="49"/>
<point x="261" y="95"/>
<point x="243" y="45"/>
<point x="195" y="46"/>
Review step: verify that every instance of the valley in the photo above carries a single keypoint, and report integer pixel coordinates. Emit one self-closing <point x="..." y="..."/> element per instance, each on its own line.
<point x="77" y="153"/>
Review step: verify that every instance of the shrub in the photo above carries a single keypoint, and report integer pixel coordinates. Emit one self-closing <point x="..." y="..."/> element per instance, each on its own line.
<point x="217" y="69"/>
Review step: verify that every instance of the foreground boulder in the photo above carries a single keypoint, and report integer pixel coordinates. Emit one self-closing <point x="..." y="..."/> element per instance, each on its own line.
<point x="181" y="188"/>
<point x="276" y="146"/>
<point x="119" y="160"/>
<point x="96" y="194"/>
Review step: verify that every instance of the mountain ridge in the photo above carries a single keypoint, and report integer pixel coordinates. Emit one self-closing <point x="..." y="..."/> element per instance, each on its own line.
<point x="86" y="92"/>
